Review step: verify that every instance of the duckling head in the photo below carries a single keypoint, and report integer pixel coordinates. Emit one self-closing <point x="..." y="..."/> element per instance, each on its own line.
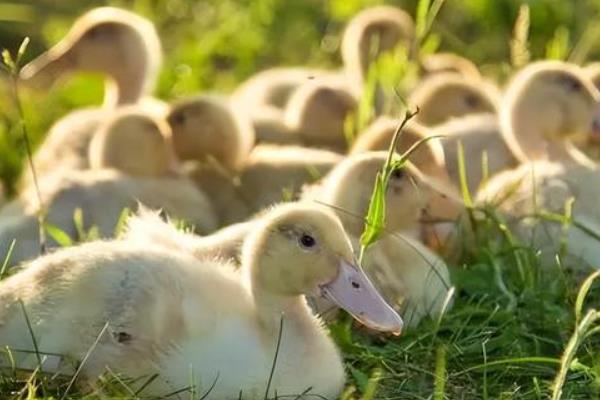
<point x="428" y="158"/>
<point x="547" y="104"/>
<point x="205" y="129"/>
<point x="301" y="249"/>
<point x="134" y="143"/>
<point x="107" y="40"/>
<point x="444" y="96"/>
<point x="369" y="34"/>
<point x="348" y="187"/>
<point x="317" y="111"/>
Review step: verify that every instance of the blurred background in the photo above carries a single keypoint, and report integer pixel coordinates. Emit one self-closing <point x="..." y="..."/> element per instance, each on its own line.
<point x="212" y="45"/>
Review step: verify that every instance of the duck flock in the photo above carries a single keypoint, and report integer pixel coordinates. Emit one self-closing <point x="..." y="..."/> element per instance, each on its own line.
<point x="273" y="197"/>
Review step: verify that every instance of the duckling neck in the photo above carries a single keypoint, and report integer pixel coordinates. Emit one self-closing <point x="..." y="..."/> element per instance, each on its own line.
<point x="122" y="88"/>
<point x="271" y="308"/>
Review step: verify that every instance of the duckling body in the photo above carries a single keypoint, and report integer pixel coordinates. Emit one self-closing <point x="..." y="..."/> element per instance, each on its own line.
<point x="483" y="145"/>
<point x="442" y="97"/>
<point x="119" y="178"/>
<point x="165" y="320"/>
<point x="523" y="194"/>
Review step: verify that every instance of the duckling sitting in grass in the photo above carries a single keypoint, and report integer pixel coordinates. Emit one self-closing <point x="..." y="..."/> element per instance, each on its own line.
<point x="159" y="311"/>
<point x="410" y="276"/>
<point x="119" y="44"/>
<point x="445" y="96"/>
<point x="569" y="103"/>
<point x="121" y="175"/>
<point x="428" y="158"/>
<point x="240" y="181"/>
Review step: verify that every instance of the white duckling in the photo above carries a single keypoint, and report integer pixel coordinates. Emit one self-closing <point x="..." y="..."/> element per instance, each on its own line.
<point x="450" y="63"/>
<point x="153" y="311"/>
<point x="568" y="102"/>
<point x="117" y="43"/>
<point x="132" y="162"/>
<point x="525" y="193"/>
<point x="441" y="97"/>
<point x="410" y="276"/>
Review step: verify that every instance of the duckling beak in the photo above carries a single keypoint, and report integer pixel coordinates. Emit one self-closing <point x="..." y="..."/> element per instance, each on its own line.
<point x="46" y="68"/>
<point x="355" y="293"/>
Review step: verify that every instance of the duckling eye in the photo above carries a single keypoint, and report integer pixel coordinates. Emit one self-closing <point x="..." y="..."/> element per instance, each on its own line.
<point x="397" y="174"/>
<point x="572" y="84"/>
<point x="471" y="101"/>
<point x="307" y="241"/>
<point x="177" y="118"/>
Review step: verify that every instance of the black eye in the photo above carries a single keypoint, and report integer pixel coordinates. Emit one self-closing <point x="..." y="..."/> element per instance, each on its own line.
<point x="177" y="118"/>
<point x="572" y="84"/>
<point x="472" y="101"/>
<point x="307" y="241"/>
<point x="397" y="174"/>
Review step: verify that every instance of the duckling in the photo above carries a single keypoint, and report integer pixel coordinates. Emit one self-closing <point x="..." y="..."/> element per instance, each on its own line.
<point x="444" y="96"/>
<point x="274" y="173"/>
<point x="410" y="276"/>
<point x="567" y="100"/>
<point x="120" y="44"/>
<point x="155" y="311"/>
<point x="206" y="126"/>
<point x="370" y="33"/>
<point x="449" y="62"/>
<point x="317" y="112"/>
<point x="592" y="70"/>
<point x="428" y="158"/>
<point x="272" y="88"/>
<point x="103" y="192"/>
<point x="479" y="134"/>
<point x="270" y="127"/>
<point x="249" y="180"/>
<point x="524" y="193"/>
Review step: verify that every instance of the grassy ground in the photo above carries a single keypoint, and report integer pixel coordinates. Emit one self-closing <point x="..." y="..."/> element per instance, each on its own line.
<point x="516" y="326"/>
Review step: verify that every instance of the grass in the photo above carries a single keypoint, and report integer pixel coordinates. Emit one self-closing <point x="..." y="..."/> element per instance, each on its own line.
<point x="517" y="329"/>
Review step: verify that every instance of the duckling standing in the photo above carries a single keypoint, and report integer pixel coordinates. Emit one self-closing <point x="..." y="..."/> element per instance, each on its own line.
<point x="160" y="311"/>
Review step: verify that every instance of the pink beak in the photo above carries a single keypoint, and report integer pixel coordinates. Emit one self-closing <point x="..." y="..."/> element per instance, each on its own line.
<point x="353" y="291"/>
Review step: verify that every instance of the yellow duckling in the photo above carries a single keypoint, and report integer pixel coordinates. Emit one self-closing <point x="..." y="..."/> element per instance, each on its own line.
<point x="117" y="43"/>
<point x="317" y="112"/>
<point x="428" y="158"/>
<point x="152" y="310"/>
<point x="445" y="96"/>
<point x="241" y="182"/>
<point x="410" y="276"/>
<point x="206" y="129"/>
<point x="121" y="176"/>
<point x="569" y="103"/>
